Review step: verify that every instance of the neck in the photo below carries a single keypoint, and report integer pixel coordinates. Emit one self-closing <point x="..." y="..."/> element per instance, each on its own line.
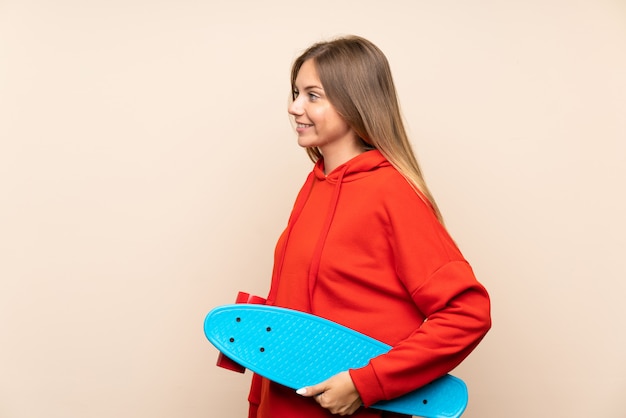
<point x="333" y="158"/>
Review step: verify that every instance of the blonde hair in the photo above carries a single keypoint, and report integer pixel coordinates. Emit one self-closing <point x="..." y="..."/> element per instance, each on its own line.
<point x="357" y="80"/>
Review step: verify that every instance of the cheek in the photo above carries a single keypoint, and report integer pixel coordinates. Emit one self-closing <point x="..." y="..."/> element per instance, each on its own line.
<point x="317" y="116"/>
<point x="338" y="124"/>
<point x="327" y="119"/>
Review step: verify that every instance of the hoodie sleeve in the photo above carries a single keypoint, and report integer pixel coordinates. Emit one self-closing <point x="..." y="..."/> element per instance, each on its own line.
<point x="443" y="287"/>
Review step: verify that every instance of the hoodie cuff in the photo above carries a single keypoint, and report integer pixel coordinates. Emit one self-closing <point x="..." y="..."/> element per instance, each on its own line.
<point x="367" y="385"/>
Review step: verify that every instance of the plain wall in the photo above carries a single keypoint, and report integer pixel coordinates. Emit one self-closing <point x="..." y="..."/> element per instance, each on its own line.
<point x="147" y="167"/>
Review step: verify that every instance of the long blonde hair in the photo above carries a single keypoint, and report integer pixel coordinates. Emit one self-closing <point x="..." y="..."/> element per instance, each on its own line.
<point x="357" y="80"/>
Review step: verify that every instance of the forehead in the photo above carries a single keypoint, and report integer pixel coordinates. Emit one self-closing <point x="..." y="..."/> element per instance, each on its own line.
<point x="307" y="76"/>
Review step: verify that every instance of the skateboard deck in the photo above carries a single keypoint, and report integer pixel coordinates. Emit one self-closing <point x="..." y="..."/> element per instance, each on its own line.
<point x="296" y="349"/>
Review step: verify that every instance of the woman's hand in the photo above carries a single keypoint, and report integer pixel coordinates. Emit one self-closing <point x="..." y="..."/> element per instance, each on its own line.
<point x="337" y="394"/>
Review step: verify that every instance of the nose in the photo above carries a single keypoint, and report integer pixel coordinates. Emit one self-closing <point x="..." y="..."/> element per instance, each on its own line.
<point x="295" y="107"/>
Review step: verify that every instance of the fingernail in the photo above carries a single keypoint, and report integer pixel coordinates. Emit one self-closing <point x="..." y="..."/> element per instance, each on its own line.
<point x="301" y="391"/>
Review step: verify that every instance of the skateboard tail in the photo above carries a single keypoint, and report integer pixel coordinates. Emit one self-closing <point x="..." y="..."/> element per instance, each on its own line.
<point x="224" y="361"/>
<point x="446" y="387"/>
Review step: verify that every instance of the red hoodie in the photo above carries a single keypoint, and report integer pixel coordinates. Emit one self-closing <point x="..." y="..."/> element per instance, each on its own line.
<point x="361" y="248"/>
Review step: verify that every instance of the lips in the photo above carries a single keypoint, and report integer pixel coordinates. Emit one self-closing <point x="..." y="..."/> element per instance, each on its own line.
<point x="302" y="127"/>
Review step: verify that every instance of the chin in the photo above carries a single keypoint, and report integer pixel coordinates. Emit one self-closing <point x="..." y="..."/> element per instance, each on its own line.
<point x="306" y="144"/>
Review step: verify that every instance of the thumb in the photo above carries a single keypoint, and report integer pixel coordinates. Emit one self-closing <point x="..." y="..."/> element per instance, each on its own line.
<point x="310" y="391"/>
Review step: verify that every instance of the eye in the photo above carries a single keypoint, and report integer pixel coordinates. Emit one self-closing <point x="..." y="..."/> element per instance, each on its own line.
<point x="313" y="97"/>
<point x="295" y="94"/>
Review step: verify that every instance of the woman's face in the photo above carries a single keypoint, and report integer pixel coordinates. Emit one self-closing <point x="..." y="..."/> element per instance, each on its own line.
<point x="317" y="122"/>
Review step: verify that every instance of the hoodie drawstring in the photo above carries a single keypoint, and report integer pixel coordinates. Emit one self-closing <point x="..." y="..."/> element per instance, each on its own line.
<point x="319" y="247"/>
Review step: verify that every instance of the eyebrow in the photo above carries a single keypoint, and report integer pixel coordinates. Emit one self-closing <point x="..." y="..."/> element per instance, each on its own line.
<point x="312" y="87"/>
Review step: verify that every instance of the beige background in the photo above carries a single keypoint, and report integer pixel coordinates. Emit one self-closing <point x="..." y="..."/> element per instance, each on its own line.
<point x="147" y="166"/>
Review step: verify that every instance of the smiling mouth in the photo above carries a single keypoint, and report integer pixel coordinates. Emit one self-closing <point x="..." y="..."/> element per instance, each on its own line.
<point x="303" y="125"/>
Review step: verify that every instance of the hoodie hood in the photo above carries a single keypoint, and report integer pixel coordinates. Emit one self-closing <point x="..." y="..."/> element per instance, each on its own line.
<point x="352" y="169"/>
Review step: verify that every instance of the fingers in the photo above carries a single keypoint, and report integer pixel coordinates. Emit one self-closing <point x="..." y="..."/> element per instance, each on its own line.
<point x="310" y="391"/>
<point x="337" y="394"/>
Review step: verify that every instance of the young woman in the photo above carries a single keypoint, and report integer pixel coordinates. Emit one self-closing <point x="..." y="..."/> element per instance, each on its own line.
<point x="365" y="245"/>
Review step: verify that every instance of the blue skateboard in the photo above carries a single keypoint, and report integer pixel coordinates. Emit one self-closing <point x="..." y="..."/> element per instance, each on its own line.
<point x="296" y="349"/>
